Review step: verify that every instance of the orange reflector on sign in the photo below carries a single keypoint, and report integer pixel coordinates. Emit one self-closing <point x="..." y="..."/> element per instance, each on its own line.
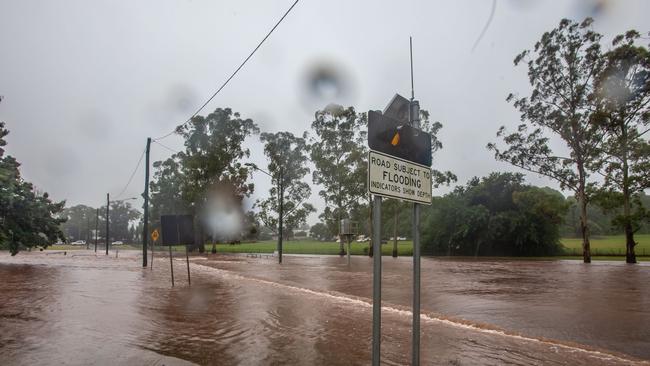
<point x="395" y="140"/>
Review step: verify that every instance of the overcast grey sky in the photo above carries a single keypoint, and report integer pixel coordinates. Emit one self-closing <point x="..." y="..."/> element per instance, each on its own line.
<point x="85" y="82"/>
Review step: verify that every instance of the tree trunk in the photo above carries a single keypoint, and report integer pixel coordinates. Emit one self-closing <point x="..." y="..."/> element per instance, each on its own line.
<point x="395" y="230"/>
<point x="630" y="256"/>
<point x="584" y="229"/>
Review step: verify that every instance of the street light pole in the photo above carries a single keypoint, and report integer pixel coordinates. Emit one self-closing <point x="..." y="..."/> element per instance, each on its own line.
<point x="108" y="203"/>
<point x="96" y="229"/>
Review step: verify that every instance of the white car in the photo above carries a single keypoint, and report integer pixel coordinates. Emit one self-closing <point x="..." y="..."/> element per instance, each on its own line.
<point x="78" y="242"/>
<point x="118" y="242"/>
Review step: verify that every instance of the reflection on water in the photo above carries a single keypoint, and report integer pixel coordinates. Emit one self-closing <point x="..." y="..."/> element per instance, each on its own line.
<point x="317" y="310"/>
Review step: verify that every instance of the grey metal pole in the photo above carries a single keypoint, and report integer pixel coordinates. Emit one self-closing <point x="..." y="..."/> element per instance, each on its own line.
<point x="171" y="264"/>
<point x="108" y="203"/>
<point x="96" y="229"/>
<point x="416" y="285"/>
<point x="145" y="224"/>
<point x="187" y="259"/>
<point x="349" y="240"/>
<point x="414" y="119"/>
<point x="88" y="232"/>
<point x="376" y="281"/>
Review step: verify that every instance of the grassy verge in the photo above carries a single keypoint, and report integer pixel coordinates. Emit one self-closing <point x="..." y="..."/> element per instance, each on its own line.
<point x="404" y="248"/>
<point x="612" y="245"/>
<point x="603" y="248"/>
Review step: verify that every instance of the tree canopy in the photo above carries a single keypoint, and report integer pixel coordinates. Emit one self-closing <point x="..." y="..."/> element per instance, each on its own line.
<point x="562" y="69"/>
<point x="288" y="158"/>
<point x="495" y="215"/>
<point x="27" y="218"/>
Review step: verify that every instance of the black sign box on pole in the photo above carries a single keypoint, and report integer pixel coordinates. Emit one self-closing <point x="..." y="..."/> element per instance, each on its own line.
<point x="177" y="229"/>
<point x="398" y="139"/>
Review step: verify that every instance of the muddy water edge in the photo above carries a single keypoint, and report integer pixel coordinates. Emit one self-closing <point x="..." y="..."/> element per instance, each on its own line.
<point x="87" y="309"/>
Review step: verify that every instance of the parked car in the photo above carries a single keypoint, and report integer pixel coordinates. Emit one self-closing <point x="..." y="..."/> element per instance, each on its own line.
<point x="117" y="242"/>
<point x="78" y="242"/>
<point x="362" y="238"/>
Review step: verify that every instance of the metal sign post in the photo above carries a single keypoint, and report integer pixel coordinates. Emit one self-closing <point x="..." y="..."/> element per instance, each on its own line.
<point x="376" y="281"/>
<point x="171" y="264"/>
<point x="187" y="259"/>
<point x="397" y="172"/>
<point x="154" y="239"/>
<point x="399" y="166"/>
<point x="414" y="117"/>
<point x="177" y="230"/>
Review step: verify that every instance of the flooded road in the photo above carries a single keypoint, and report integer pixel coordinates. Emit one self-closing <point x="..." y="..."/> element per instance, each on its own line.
<point x="80" y="309"/>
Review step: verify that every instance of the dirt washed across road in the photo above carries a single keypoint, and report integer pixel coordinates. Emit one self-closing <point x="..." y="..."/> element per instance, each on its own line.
<point x="86" y="309"/>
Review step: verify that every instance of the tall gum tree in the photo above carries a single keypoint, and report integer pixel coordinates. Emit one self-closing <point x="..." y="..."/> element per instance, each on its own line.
<point x="288" y="157"/>
<point x="340" y="160"/>
<point x="562" y="69"/>
<point x="214" y="149"/>
<point x="623" y="97"/>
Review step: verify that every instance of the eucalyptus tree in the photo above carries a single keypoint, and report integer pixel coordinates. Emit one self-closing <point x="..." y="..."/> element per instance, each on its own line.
<point x="214" y="149"/>
<point x="80" y="219"/>
<point x="562" y="69"/>
<point x="623" y="97"/>
<point x="288" y="157"/>
<point x="165" y="188"/>
<point x="339" y="154"/>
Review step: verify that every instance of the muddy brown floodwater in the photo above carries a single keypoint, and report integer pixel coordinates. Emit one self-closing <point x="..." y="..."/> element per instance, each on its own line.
<point x="82" y="309"/>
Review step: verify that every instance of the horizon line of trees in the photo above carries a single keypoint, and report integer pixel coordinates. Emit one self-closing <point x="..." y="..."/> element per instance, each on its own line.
<point x="595" y="101"/>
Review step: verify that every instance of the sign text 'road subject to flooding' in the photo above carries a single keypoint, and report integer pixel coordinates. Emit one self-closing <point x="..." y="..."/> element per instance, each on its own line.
<point x="393" y="177"/>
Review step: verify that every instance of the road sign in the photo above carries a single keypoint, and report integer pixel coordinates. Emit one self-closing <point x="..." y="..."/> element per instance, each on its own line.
<point x="399" y="139"/>
<point x="177" y="229"/>
<point x="155" y="235"/>
<point x="390" y="176"/>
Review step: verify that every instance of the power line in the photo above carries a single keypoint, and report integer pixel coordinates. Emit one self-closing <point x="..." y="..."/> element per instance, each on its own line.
<point x="132" y="175"/>
<point x="211" y="97"/>
<point x="166" y="147"/>
<point x="233" y="74"/>
<point x="486" y="26"/>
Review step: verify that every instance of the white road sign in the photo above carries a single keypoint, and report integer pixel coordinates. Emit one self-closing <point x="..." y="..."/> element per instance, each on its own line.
<point x="393" y="177"/>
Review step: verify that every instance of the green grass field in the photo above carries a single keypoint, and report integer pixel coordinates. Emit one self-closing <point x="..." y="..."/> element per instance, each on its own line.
<point x="310" y="247"/>
<point x="269" y="246"/>
<point x="607" y="247"/>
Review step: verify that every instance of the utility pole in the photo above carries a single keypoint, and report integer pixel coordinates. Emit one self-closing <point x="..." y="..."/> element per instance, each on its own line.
<point x="281" y="213"/>
<point x="87" y="231"/>
<point x="108" y="204"/>
<point x="414" y="119"/>
<point x="96" y="229"/>
<point x="145" y="226"/>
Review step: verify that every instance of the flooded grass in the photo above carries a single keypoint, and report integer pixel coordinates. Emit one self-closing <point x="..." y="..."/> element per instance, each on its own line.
<point x="603" y="247"/>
